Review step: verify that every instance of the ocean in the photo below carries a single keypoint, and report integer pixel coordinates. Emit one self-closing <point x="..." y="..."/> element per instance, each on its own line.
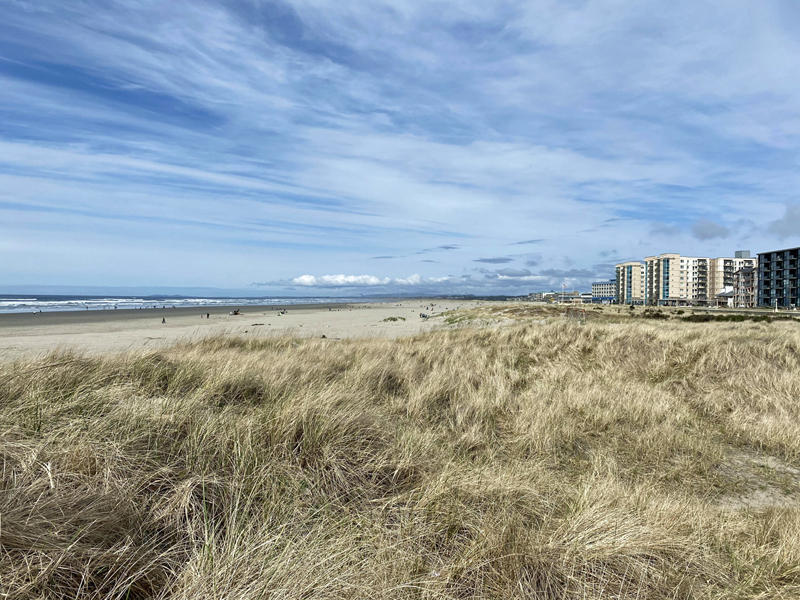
<point x="31" y="304"/>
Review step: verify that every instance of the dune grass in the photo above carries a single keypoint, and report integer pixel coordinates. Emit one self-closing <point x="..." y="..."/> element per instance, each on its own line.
<point x="531" y="461"/>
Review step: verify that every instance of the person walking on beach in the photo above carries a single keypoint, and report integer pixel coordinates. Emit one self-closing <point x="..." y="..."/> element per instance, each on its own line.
<point x="208" y="316"/>
<point x="163" y="320"/>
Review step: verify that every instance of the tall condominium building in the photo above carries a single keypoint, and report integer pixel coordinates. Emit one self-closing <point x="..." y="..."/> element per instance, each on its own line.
<point x="604" y="289"/>
<point x="630" y="280"/>
<point x="721" y="271"/>
<point x="673" y="279"/>
<point x="745" y="288"/>
<point x="777" y="278"/>
<point x="676" y="279"/>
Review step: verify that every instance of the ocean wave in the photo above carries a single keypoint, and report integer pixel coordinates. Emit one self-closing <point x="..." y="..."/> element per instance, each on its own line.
<point x="39" y="304"/>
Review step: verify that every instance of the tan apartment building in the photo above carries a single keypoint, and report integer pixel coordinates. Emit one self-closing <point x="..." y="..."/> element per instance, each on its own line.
<point x="721" y="272"/>
<point x="630" y="283"/>
<point x="677" y="280"/>
<point x="673" y="279"/>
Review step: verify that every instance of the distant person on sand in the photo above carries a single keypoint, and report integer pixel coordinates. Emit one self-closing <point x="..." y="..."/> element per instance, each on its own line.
<point x="208" y="316"/>
<point x="163" y="320"/>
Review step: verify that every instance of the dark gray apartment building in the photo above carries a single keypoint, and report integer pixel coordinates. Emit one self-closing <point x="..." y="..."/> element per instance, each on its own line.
<point x="777" y="278"/>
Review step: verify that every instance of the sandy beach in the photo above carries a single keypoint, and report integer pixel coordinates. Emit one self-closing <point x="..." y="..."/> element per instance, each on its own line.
<point x="29" y="335"/>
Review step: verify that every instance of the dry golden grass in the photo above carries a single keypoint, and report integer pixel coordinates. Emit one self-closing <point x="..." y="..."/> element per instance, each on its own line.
<point x="533" y="461"/>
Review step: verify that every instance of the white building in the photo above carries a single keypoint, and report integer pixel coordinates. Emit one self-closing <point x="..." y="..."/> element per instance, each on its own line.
<point x="604" y="289"/>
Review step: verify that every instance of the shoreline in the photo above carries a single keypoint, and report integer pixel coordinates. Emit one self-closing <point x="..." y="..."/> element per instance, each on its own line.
<point x="28" y="335"/>
<point x="58" y="317"/>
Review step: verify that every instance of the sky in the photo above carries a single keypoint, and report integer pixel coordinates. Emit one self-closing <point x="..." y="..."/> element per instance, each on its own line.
<point x="321" y="147"/>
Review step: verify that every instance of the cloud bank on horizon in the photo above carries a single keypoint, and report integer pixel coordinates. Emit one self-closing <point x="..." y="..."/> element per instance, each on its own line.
<point x="321" y="147"/>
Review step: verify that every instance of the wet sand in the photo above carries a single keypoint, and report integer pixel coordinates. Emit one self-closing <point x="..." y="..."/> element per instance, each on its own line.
<point x="28" y="335"/>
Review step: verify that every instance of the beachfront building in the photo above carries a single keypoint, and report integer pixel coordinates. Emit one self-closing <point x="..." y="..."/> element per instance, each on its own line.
<point x="630" y="283"/>
<point x="745" y="288"/>
<point x="724" y="299"/>
<point x="778" y="284"/>
<point x="675" y="280"/>
<point x="572" y="297"/>
<point x="542" y="296"/>
<point x="722" y="271"/>
<point x="604" y="291"/>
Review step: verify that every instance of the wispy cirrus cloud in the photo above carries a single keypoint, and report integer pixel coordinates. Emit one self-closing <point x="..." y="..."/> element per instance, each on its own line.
<point x="213" y="143"/>
<point x="498" y="260"/>
<point x="568" y="273"/>
<point x="443" y="248"/>
<point x="513" y="272"/>
<point x="533" y="260"/>
<point x="664" y="229"/>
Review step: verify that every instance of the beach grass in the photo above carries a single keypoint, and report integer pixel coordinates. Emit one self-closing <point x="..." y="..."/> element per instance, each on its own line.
<point x="649" y="459"/>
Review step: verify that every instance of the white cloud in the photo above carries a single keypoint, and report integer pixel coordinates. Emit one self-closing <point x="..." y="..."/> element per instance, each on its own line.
<point x="339" y="281"/>
<point x="359" y="281"/>
<point x="413" y="280"/>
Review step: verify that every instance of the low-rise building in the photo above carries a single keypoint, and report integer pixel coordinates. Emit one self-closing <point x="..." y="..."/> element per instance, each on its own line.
<point x="604" y="291"/>
<point x="568" y="297"/>
<point x="724" y="299"/>
<point x="541" y="296"/>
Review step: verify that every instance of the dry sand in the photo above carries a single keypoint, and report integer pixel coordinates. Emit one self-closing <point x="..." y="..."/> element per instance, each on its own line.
<point x="104" y="331"/>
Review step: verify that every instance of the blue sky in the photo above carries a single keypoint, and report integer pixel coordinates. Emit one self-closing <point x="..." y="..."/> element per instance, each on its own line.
<point x="333" y="148"/>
